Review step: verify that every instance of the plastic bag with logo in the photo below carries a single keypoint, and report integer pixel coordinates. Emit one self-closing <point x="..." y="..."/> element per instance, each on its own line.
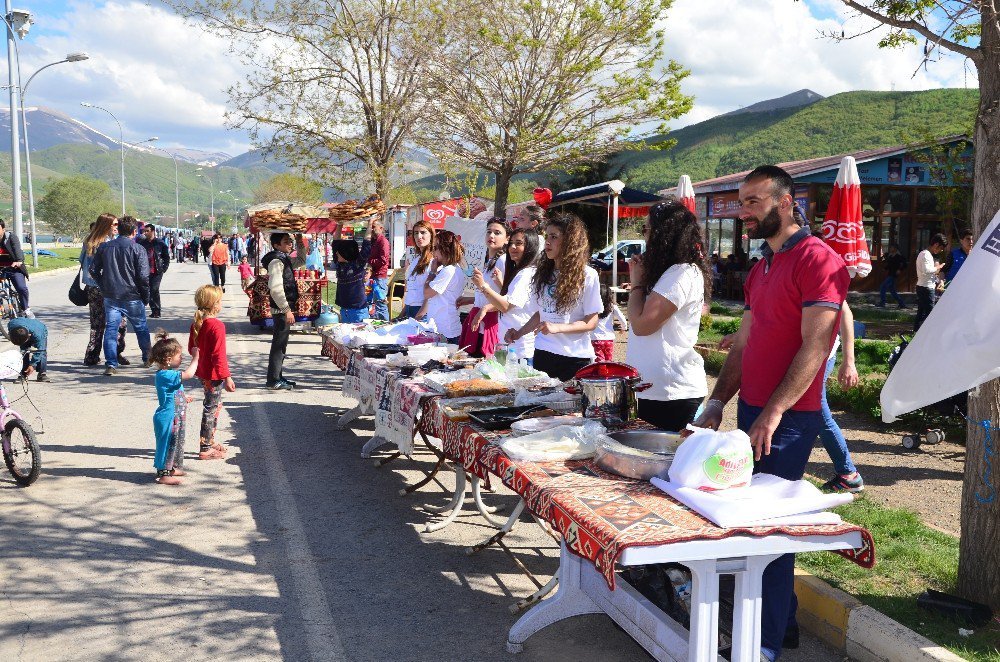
<point x="710" y="460"/>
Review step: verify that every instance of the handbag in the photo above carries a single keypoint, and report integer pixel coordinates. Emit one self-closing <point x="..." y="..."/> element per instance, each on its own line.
<point x="78" y="291"/>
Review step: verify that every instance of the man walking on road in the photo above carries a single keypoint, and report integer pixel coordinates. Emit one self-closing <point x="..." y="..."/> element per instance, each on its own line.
<point x="159" y="261"/>
<point x="379" y="264"/>
<point x="121" y="269"/>
<point x="793" y="305"/>
<point x="284" y="295"/>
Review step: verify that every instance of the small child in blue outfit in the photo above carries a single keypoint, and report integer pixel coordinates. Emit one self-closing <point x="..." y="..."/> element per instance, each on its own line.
<point x="168" y="421"/>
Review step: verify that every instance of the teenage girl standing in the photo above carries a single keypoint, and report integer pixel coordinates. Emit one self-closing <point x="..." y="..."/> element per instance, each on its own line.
<point x="480" y="330"/>
<point x="169" y="419"/>
<point x="207" y="344"/>
<point x="444" y="286"/>
<point x="565" y="303"/>
<point x="418" y="269"/>
<point x="515" y="289"/>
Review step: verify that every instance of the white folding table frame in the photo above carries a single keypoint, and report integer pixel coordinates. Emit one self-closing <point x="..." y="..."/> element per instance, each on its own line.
<point x="583" y="590"/>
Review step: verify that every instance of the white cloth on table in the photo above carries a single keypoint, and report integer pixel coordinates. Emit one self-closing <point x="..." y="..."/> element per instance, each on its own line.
<point x="768" y="501"/>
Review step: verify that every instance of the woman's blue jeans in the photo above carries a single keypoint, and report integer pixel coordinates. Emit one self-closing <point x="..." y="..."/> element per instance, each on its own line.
<point x="831" y="434"/>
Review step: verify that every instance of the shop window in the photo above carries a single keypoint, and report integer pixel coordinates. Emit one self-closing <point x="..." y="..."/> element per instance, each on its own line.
<point x="870" y="198"/>
<point x="823" y="194"/>
<point x="927" y="201"/>
<point x="898" y="201"/>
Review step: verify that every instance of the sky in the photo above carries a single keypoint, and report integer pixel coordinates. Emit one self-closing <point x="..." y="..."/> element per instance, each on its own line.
<point x="163" y="77"/>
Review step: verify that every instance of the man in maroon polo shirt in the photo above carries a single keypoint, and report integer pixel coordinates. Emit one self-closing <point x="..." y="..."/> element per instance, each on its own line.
<point x="793" y="301"/>
<point x="378" y="262"/>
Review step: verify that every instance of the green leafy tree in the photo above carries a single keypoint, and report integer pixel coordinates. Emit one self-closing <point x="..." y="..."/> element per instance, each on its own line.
<point x="970" y="28"/>
<point x="334" y="88"/>
<point x="529" y="85"/>
<point x="293" y="188"/>
<point x="71" y="204"/>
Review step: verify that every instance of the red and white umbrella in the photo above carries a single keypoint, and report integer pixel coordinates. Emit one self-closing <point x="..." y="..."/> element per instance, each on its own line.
<point x="842" y="227"/>
<point x="685" y="192"/>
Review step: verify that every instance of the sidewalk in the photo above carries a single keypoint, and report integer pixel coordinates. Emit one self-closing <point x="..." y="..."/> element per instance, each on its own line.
<point x="293" y="548"/>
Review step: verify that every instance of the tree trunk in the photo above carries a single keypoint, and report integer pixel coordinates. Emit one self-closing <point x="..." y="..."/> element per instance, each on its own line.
<point x="979" y="556"/>
<point x="502" y="191"/>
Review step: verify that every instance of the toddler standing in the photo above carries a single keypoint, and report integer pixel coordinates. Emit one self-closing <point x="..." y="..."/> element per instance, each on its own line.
<point x="169" y="419"/>
<point x="207" y="344"/>
<point x="246" y="274"/>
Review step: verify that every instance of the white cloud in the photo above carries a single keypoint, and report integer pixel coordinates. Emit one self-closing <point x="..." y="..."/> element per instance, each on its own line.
<point x="742" y="52"/>
<point x="159" y="75"/>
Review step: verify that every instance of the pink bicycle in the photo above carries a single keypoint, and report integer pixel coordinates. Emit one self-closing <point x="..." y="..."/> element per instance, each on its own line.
<point x="21" y="452"/>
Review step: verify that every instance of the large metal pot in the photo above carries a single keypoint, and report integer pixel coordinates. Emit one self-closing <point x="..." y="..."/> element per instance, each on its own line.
<point x="608" y="392"/>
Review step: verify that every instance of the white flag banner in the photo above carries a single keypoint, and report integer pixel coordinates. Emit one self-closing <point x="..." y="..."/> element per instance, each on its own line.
<point x="958" y="347"/>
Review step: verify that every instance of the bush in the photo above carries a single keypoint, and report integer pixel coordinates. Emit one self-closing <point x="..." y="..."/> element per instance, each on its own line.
<point x="725" y="327"/>
<point x="706" y="323"/>
<point x="862" y="399"/>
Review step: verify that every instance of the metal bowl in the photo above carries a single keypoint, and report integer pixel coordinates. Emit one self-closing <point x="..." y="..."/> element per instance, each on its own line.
<point x="640" y="454"/>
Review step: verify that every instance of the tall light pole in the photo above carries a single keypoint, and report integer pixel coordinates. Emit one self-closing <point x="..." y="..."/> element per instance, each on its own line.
<point x="236" y="200"/>
<point x="121" y="141"/>
<point x="72" y="57"/>
<point x="211" y="192"/>
<point x="177" y="185"/>
<point x="17" y="22"/>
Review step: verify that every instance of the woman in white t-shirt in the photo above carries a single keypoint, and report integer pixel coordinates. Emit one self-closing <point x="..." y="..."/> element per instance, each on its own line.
<point x="515" y="289"/>
<point x="418" y="269"/>
<point x="565" y="301"/>
<point x="669" y="282"/>
<point x="480" y="330"/>
<point x="444" y="286"/>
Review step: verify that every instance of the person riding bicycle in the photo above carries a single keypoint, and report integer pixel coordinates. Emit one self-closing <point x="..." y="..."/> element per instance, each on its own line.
<point x="12" y="256"/>
<point x="32" y="336"/>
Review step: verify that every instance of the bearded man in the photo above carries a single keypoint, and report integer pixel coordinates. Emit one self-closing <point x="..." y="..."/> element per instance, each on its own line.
<point x="793" y="299"/>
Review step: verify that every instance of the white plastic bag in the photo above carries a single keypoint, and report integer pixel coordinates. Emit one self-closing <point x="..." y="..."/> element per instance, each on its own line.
<point x="710" y="460"/>
<point x="563" y="442"/>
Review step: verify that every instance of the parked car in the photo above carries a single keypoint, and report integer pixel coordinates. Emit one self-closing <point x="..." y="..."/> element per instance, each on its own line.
<point x="601" y="260"/>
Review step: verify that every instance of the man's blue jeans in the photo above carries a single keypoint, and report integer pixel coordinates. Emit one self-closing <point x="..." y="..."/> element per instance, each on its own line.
<point x="379" y="293"/>
<point x="831" y="435"/>
<point x="889" y="287"/>
<point x="135" y="312"/>
<point x="791" y="444"/>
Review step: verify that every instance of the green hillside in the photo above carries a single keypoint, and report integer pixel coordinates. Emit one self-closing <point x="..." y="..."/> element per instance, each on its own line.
<point x="149" y="179"/>
<point x="839" y="124"/>
<point x="728" y="144"/>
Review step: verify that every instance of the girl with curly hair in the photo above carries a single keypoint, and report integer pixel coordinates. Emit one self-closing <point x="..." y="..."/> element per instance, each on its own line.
<point x="515" y="289"/>
<point x="480" y="330"/>
<point x="417" y="270"/>
<point x="444" y="285"/>
<point x="669" y="282"/>
<point x="566" y="301"/>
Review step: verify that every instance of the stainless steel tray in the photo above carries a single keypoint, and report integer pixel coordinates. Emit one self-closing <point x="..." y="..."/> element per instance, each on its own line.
<point x="640" y="454"/>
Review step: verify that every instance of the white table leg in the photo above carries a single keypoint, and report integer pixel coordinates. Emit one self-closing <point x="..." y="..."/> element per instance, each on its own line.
<point x="457" y="501"/>
<point x="747" y="609"/>
<point x="348" y="416"/>
<point x="504" y="530"/>
<point x="703" y="642"/>
<point x="537" y="596"/>
<point x="569" y="600"/>
<point x="484" y="510"/>
<point x="372" y="444"/>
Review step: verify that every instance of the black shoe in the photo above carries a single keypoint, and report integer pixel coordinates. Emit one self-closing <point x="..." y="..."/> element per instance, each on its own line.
<point x="42" y="377"/>
<point x="289" y="381"/>
<point x="154" y="315"/>
<point x="123" y="361"/>
<point x="280" y="385"/>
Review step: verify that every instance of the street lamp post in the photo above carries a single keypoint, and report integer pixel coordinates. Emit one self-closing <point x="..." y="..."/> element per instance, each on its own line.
<point x="72" y="57"/>
<point x="121" y="141"/>
<point x="17" y="22"/>
<point x="236" y="200"/>
<point x="211" y="192"/>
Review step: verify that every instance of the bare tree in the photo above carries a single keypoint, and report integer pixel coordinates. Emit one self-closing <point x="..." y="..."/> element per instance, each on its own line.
<point x="530" y="85"/>
<point x="335" y="86"/>
<point x="970" y="28"/>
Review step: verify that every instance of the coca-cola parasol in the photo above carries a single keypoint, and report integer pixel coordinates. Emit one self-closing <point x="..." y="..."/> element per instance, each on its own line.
<point x="842" y="227"/>
<point x="685" y="192"/>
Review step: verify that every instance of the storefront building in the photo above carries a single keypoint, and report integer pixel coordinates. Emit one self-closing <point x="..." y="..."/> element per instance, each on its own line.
<point x="907" y="195"/>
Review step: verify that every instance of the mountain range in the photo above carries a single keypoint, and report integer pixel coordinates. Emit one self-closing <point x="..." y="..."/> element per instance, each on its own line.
<point x="799" y="125"/>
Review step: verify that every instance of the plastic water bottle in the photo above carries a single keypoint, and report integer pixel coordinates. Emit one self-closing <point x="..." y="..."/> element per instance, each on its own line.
<point x="511" y="367"/>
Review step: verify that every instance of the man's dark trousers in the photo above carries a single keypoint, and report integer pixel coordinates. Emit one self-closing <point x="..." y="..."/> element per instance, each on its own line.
<point x="279" y="345"/>
<point x="154" y="293"/>
<point x="791" y="445"/>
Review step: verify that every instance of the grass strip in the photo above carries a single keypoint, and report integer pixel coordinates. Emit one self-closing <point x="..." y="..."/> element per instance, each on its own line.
<point x="911" y="557"/>
<point x="65" y="257"/>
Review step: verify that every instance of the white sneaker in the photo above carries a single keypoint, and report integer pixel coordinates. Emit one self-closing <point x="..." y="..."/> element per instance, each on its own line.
<point x="27" y="313"/>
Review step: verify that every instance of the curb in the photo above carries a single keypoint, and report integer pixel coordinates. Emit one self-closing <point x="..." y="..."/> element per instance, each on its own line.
<point x="863" y="633"/>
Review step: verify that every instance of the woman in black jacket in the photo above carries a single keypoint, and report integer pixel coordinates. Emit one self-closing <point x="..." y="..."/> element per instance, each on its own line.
<point x="12" y="256"/>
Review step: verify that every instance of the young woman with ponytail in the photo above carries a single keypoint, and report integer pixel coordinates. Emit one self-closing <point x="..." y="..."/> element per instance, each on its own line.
<point x="207" y="344"/>
<point x="418" y="269"/>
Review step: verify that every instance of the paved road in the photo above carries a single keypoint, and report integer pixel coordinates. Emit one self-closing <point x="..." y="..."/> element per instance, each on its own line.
<point x="293" y="548"/>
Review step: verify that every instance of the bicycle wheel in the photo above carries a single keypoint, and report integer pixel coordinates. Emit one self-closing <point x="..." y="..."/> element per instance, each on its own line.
<point x="10" y="305"/>
<point x="24" y="459"/>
